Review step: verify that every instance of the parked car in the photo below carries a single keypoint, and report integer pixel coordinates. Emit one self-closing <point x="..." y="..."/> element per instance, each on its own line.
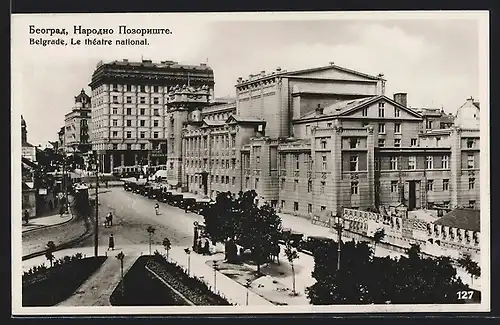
<point x="311" y="243"/>
<point x="176" y="200"/>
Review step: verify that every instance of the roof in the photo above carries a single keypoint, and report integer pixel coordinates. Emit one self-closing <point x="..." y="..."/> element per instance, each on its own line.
<point x="245" y="119"/>
<point x="29" y="162"/>
<point x="334" y="67"/>
<point x="162" y="64"/>
<point x="214" y="122"/>
<point x="347" y="106"/>
<point x="461" y="218"/>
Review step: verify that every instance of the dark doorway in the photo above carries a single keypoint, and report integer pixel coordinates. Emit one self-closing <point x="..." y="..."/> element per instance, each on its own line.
<point x="412" y="199"/>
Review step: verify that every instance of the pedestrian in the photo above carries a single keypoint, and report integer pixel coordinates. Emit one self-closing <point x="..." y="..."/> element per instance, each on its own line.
<point x="111" y="242"/>
<point x="110" y="216"/>
<point x="26" y="217"/>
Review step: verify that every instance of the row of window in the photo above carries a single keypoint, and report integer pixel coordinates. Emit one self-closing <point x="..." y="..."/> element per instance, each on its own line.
<point x="412" y="163"/>
<point x="140" y="111"/>
<point x="129" y="100"/>
<point x="129" y="122"/>
<point x="296" y="206"/>
<point x="308" y="161"/>
<point x="223" y="163"/>
<point x="140" y="88"/>
<point x="217" y="142"/>
<point x="142" y="134"/>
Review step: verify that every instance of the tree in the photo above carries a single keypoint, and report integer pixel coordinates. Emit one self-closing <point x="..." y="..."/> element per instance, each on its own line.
<point x="291" y="255"/>
<point x="50" y="248"/>
<point x="470" y="266"/>
<point x="258" y="229"/>
<point x="167" y="245"/>
<point x="220" y="218"/>
<point x="151" y="231"/>
<point x="378" y="236"/>
<point x="364" y="279"/>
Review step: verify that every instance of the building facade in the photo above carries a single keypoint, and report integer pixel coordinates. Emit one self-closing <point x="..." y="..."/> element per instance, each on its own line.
<point x="130" y="124"/>
<point x="76" y="125"/>
<point x="28" y="150"/>
<point x="319" y="140"/>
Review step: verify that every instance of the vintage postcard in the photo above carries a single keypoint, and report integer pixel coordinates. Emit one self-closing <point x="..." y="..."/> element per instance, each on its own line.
<point x="250" y="163"/>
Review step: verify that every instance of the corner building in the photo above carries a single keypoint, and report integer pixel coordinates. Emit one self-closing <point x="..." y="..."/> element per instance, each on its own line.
<point x="129" y="103"/>
<point x="76" y="129"/>
<point x="317" y="140"/>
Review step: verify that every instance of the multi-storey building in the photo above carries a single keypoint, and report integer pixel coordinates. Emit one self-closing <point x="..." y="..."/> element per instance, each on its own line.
<point x="61" y="138"/>
<point x="28" y="150"/>
<point x="129" y="108"/>
<point x="76" y="130"/>
<point x="321" y="139"/>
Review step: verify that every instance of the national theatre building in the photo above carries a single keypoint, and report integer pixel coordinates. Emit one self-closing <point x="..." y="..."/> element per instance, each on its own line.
<point x="306" y="141"/>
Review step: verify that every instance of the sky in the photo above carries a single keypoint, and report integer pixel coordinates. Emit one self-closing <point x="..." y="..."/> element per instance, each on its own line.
<point x="435" y="59"/>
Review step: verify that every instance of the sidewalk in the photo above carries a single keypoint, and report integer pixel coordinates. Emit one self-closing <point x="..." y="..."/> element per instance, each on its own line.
<point x="305" y="227"/>
<point x="99" y="287"/>
<point x="234" y="292"/>
<point x="97" y="290"/>
<point x="42" y="222"/>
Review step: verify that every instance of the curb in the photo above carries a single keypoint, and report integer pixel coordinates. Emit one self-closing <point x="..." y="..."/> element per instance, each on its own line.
<point x="88" y="232"/>
<point x="49" y="226"/>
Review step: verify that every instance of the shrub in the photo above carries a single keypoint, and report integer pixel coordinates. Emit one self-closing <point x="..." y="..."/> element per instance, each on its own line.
<point x="193" y="288"/>
<point x="141" y="288"/>
<point x="49" y="286"/>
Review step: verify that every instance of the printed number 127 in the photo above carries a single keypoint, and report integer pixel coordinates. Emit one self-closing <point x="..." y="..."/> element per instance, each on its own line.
<point x="465" y="295"/>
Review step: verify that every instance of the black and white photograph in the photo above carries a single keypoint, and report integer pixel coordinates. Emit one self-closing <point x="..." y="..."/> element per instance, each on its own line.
<point x="291" y="162"/>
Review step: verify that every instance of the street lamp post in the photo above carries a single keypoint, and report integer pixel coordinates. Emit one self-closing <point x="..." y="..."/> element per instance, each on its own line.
<point x="96" y="231"/>
<point x="120" y="257"/>
<point x="65" y="184"/>
<point x="339" y="226"/>
<point x="216" y="267"/>
<point x="188" y="253"/>
<point x="248" y="285"/>
<point x="195" y="233"/>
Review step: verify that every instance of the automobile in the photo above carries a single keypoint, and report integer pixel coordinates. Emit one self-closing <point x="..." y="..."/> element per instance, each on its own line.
<point x="294" y="237"/>
<point x="311" y="243"/>
<point x="188" y="204"/>
<point x="175" y="200"/>
<point x="165" y="196"/>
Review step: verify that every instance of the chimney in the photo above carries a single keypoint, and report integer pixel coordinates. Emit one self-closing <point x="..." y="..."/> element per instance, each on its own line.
<point x="125" y="60"/>
<point x="331" y="63"/>
<point x="278" y="69"/>
<point x="401" y="98"/>
<point x="263" y="73"/>
<point x="319" y="110"/>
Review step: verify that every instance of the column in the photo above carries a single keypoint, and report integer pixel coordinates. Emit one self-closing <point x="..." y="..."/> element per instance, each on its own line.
<point x="336" y="169"/>
<point x="101" y="160"/>
<point x="135" y="159"/>
<point x="370" y="165"/>
<point x="122" y="159"/>
<point x="111" y="162"/>
<point x="455" y="166"/>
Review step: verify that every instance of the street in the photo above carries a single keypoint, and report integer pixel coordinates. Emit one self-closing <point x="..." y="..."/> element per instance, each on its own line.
<point x="133" y="213"/>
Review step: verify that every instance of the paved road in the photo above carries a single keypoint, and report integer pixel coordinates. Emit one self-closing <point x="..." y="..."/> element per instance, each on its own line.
<point x="133" y="213"/>
<point x="35" y="241"/>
